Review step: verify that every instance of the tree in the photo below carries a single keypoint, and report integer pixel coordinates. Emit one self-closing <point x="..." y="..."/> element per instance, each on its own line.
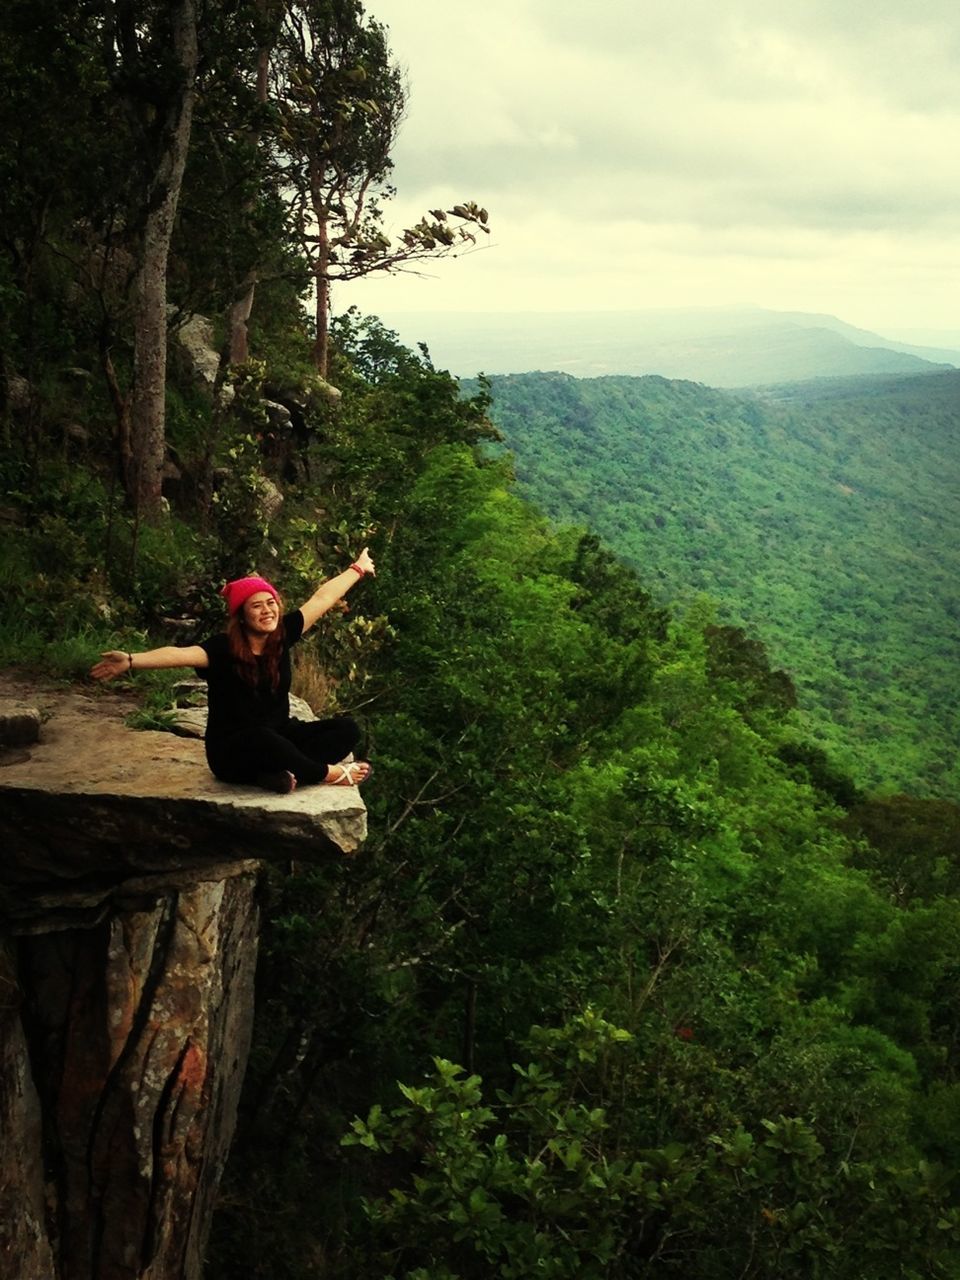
<point x="267" y="16"/>
<point x="912" y="845"/>
<point x="339" y="100"/>
<point x="97" y="129"/>
<point x="52" y="179"/>
<point x="152" y="53"/>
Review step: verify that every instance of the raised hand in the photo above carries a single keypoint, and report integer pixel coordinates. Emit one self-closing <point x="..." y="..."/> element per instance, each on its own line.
<point x="365" y="562"/>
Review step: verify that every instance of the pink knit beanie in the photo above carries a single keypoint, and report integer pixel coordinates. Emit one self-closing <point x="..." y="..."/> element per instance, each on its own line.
<point x="236" y="593"/>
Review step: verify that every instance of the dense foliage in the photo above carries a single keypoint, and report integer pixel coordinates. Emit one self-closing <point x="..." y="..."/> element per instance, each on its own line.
<point x="823" y="517"/>
<point x="668" y="992"/>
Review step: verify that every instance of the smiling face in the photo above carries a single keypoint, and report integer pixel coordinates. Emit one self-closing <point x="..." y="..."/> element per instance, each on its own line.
<point x="261" y="613"/>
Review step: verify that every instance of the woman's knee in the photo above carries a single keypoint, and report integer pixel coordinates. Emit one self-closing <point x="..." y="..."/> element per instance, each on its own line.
<point x="350" y="729"/>
<point x="330" y="740"/>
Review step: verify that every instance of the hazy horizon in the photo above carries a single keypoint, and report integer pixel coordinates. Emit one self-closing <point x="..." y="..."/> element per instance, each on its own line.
<point x="916" y="336"/>
<point x="719" y="346"/>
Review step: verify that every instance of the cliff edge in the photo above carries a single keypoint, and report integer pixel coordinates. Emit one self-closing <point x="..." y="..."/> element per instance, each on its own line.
<point x="129" y="940"/>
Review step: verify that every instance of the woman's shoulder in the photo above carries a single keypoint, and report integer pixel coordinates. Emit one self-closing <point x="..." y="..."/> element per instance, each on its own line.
<point x="217" y="647"/>
<point x="293" y="626"/>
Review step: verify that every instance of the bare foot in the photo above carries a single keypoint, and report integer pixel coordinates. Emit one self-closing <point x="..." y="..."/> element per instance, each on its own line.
<point x="348" y="775"/>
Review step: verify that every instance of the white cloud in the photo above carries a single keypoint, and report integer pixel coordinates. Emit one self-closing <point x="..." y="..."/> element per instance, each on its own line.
<point x="795" y="155"/>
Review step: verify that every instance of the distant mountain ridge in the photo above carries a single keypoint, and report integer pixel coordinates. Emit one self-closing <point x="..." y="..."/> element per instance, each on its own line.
<point x="723" y="347"/>
<point x="940" y="355"/>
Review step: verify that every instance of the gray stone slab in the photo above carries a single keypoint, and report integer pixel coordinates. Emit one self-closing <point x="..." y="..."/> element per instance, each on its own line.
<point x="95" y="799"/>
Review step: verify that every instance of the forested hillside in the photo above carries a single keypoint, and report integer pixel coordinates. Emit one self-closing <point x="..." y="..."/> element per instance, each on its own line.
<point x="823" y="516"/>
<point x="631" y="980"/>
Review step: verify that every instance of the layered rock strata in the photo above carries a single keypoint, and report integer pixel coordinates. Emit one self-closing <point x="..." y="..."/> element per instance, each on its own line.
<point x="128" y="896"/>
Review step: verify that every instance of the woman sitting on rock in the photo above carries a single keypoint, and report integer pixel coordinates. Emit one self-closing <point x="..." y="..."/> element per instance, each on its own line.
<point x="250" y="736"/>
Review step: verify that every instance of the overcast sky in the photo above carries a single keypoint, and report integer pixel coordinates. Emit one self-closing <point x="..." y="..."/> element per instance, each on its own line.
<point x="648" y="153"/>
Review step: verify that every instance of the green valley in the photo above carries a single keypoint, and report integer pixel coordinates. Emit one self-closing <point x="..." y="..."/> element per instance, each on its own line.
<point x="823" y="516"/>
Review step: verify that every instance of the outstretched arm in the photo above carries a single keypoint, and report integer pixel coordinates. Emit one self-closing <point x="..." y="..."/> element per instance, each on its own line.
<point x="116" y="663"/>
<point x="334" y="589"/>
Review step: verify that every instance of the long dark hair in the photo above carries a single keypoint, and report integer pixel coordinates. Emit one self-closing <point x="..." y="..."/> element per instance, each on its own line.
<point x="249" y="665"/>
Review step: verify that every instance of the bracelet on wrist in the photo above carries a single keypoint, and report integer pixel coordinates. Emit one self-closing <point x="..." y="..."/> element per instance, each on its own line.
<point x="130" y="661"/>
<point x="356" y="568"/>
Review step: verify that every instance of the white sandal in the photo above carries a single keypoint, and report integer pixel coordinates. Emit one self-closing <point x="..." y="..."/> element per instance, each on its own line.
<point x="350" y="775"/>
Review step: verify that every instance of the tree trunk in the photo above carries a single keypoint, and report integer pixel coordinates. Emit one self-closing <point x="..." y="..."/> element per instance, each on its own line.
<point x="321" y="271"/>
<point x="239" y="314"/>
<point x="470" y="1025"/>
<point x="148" y="396"/>
<point x="238" y="348"/>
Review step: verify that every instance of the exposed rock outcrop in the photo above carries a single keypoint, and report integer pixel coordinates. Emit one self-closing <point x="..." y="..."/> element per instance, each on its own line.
<point x="128" y="892"/>
<point x="193" y="347"/>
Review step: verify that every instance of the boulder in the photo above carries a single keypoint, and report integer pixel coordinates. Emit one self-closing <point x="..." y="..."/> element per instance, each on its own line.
<point x="269" y="497"/>
<point x="194" y="348"/>
<point x="191" y="721"/>
<point x="19" y="394"/>
<point x="323" y="390"/>
<point x="278" y="414"/>
<point x="194" y="340"/>
<point x="19" y="723"/>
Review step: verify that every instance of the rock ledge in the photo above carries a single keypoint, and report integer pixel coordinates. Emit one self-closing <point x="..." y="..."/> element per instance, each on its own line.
<point x="129" y="880"/>
<point x="94" y="802"/>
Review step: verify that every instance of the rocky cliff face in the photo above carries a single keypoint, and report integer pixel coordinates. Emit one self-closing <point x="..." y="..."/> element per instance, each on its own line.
<point x="130" y="923"/>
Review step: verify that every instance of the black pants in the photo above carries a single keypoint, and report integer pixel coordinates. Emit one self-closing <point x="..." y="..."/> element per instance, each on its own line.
<point x="305" y="748"/>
